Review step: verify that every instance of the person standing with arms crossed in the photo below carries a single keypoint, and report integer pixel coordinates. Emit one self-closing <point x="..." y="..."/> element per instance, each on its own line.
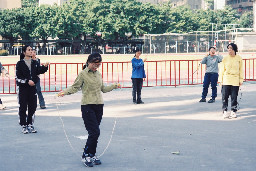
<point x="231" y="78"/>
<point x="138" y="73"/>
<point x="5" y="73"/>
<point x="91" y="83"/>
<point x="38" y="87"/>
<point x="27" y="71"/>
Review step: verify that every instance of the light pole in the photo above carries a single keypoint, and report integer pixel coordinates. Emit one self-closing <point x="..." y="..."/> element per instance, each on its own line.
<point x="212" y="31"/>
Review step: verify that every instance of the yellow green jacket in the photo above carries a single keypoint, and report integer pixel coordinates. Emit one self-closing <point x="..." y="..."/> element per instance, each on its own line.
<point x="92" y="85"/>
<point x="231" y="71"/>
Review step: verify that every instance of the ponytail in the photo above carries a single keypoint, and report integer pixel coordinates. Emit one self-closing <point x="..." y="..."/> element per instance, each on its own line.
<point x="86" y="64"/>
<point x="22" y="56"/>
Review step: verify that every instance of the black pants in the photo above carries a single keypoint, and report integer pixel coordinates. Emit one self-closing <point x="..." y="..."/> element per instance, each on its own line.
<point x="228" y="90"/>
<point x="28" y="101"/>
<point x="136" y="88"/>
<point x="92" y="115"/>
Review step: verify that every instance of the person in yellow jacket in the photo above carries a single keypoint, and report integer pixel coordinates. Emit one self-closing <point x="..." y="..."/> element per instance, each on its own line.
<point x="231" y="78"/>
<point x="90" y="81"/>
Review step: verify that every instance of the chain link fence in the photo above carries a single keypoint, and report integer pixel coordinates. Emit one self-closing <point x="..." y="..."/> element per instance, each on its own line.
<point x="186" y="43"/>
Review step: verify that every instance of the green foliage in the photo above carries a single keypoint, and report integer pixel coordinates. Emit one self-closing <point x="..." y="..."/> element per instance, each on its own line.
<point x="29" y="3"/>
<point x="112" y="18"/>
<point x="10" y="24"/>
<point x="3" y="52"/>
<point x="246" y="20"/>
<point x="183" y="20"/>
<point x="44" y="24"/>
<point x="67" y="22"/>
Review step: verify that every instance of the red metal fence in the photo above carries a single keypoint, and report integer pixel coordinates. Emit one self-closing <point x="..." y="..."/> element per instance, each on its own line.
<point x="159" y="73"/>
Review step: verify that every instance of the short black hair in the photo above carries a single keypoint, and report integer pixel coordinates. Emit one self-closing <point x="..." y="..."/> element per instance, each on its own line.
<point x="212" y="47"/>
<point x="137" y="50"/>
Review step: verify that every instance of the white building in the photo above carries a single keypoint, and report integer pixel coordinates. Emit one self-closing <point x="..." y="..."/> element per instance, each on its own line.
<point x="219" y="4"/>
<point x="9" y="4"/>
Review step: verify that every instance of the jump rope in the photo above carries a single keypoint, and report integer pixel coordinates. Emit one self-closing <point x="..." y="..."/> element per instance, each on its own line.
<point x="58" y="103"/>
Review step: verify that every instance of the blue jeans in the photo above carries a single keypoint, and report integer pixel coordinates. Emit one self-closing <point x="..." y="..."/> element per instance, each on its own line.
<point x="210" y="78"/>
<point x="39" y="93"/>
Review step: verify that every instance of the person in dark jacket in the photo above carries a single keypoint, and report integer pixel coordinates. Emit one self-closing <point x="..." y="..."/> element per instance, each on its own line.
<point x="27" y="71"/>
<point x="138" y="73"/>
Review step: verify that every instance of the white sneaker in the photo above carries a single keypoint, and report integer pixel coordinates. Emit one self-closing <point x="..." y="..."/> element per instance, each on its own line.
<point x="225" y="115"/>
<point x="2" y="107"/>
<point x="25" y="129"/>
<point x="31" y="129"/>
<point x="233" y="114"/>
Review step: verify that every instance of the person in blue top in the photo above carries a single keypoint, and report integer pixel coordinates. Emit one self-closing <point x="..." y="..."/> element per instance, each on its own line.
<point x="138" y="73"/>
<point x="211" y="74"/>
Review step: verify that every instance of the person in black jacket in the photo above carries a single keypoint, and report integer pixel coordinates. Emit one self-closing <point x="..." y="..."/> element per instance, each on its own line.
<point x="27" y="71"/>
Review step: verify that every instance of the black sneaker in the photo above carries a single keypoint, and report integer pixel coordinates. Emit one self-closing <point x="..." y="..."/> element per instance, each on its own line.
<point x="42" y="107"/>
<point x="24" y="129"/>
<point x="95" y="160"/>
<point x="140" y="102"/>
<point x="31" y="129"/>
<point x="87" y="160"/>
<point x="211" y="101"/>
<point x="134" y="102"/>
<point x="202" y="100"/>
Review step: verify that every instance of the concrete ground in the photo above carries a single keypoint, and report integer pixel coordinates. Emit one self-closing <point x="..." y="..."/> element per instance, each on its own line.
<point x="171" y="131"/>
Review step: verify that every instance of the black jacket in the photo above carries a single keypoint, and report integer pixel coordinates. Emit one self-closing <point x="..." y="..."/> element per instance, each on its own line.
<point x="23" y="74"/>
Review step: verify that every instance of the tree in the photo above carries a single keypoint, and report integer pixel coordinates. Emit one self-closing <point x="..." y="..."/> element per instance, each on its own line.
<point x="44" y="24"/>
<point x="68" y="26"/>
<point x="246" y="20"/>
<point x="27" y="23"/>
<point x="183" y="20"/>
<point x="29" y="3"/>
<point x="10" y="25"/>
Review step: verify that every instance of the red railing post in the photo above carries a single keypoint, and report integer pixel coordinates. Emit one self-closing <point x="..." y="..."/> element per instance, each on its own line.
<point x="245" y="69"/>
<point x="156" y="73"/>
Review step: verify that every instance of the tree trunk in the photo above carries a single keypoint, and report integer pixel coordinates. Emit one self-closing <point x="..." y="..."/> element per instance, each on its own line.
<point x="11" y="45"/>
<point x="44" y="47"/>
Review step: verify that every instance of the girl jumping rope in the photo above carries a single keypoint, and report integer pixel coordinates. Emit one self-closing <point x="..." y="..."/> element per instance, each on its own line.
<point x="90" y="81"/>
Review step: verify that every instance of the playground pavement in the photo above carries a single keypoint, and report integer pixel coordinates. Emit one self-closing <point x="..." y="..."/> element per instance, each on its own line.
<point x="172" y="131"/>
